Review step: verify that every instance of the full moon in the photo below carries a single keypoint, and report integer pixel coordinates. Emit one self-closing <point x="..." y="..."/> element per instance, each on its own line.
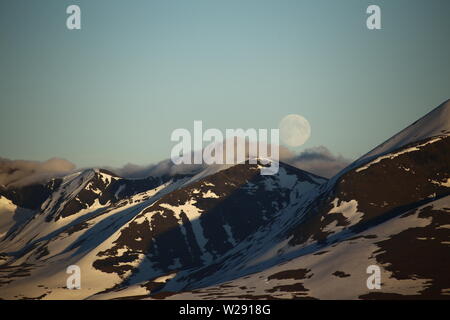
<point x="294" y="130"/>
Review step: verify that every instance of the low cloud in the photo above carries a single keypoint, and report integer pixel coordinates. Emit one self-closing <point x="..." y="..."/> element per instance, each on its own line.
<point x="163" y="168"/>
<point x="16" y="173"/>
<point x="318" y="160"/>
<point x="168" y="168"/>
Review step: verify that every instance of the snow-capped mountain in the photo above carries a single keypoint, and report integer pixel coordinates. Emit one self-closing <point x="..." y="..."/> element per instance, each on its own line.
<point x="229" y="232"/>
<point x="391" y="208"/>
<point x="130" y="231"/>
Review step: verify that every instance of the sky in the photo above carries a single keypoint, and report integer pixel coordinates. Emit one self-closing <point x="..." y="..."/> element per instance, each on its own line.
<point x="113" y="92"/>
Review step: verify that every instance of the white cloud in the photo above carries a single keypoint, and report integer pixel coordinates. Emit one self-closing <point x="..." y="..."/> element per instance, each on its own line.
<point x="24" y="172"/>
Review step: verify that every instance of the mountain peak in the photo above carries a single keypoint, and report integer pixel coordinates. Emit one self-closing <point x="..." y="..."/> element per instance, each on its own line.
<point x="433" y="124"/>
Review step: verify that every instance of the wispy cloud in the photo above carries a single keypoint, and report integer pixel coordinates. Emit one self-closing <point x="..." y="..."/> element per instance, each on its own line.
<point x="23" y="172"/>
<point x="318" y="160"/>
<point x="166" y="167"/>
<point x="15" y="173"/>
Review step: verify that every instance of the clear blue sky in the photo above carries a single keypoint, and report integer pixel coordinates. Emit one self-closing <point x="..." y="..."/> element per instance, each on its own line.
<point x="112" y="92"/>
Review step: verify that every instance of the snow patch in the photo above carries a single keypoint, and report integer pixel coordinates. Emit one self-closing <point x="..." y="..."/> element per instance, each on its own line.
<point x="348" y="209"/>
<point x="165" y="278"/>
<point x="442" y="183"/>
<point x="210" y="194"/>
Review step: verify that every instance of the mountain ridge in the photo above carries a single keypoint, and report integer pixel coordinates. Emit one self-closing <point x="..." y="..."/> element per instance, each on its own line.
<point x="229" y="232"/>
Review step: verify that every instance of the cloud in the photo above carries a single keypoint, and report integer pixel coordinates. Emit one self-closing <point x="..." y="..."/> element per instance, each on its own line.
<point x="163" y="168"/>
<point x="318" y="160"/>
<point x="168" y="168"/>
<point x="16" y="173"/>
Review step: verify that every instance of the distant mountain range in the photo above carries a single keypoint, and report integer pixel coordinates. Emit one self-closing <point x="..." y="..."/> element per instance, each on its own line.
<point x="229" y="232"/>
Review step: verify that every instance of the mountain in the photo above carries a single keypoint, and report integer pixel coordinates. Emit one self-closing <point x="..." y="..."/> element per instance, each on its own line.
<point x="125" y="235"/>
<point x="229" y="232"/>
<point x="391" y="208"/>
<point x="434" y="124"/>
